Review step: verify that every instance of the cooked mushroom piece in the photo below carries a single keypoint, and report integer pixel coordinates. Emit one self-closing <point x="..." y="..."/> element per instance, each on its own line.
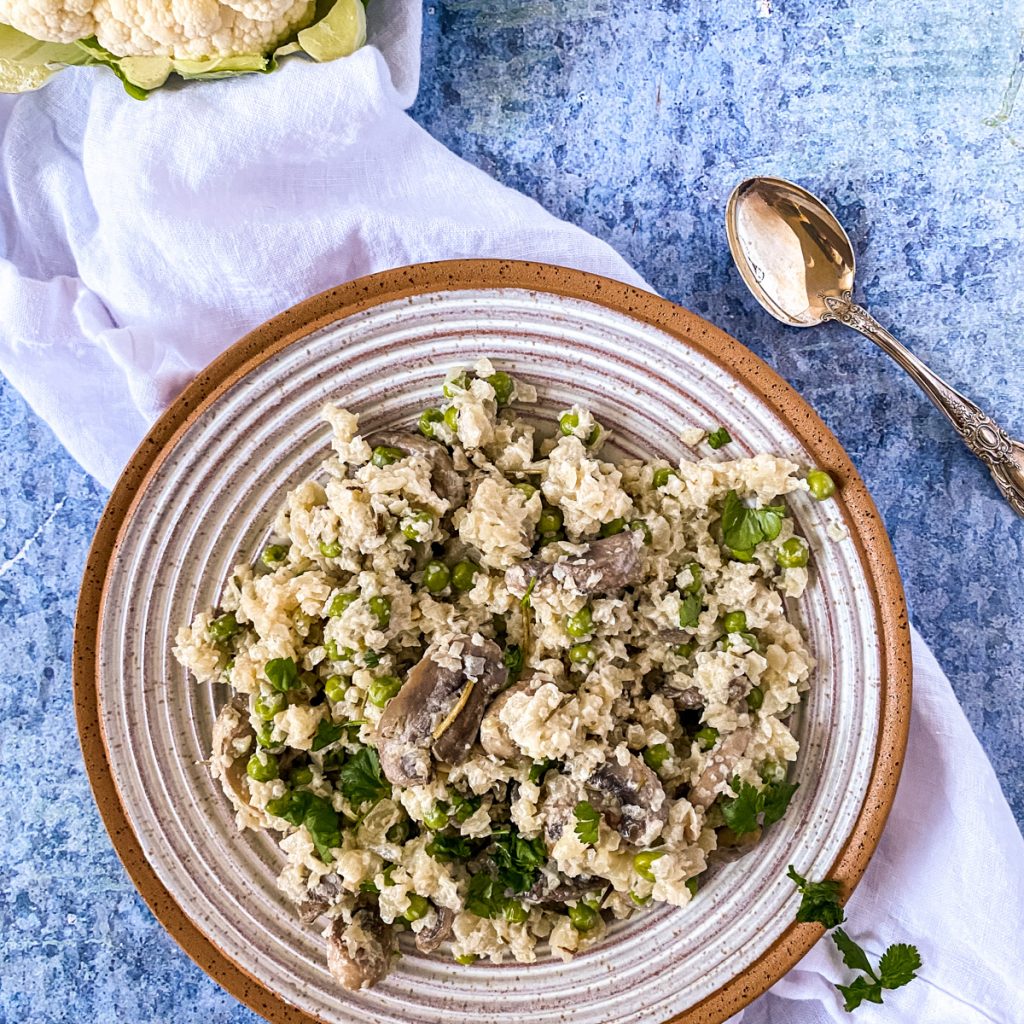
<point x="431" y="937"/>
<point x="436" y="714"/>
<point x="320" y="898"/>
<point x="631" y="800"/>
<point x="547" y="892"/>
<point x="691" y="698"/>
<point x="359" y="953"/>
<point x="721" y="765"/>
<point x="559" y="795"/>
<point x="233" y="739"/>
<point x="605" y="566"/>
<point x="494" y="737"/>
<point x="447" y="482"/>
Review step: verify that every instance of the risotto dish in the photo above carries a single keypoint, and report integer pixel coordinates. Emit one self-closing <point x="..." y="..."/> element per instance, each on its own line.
<point x="497" y="691"/>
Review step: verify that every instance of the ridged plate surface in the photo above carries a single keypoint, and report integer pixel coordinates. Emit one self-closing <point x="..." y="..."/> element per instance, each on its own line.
<point x="208" y="504"/>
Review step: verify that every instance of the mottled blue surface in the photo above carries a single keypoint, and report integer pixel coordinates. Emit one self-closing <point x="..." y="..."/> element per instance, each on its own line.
<point x="635" y="121"/>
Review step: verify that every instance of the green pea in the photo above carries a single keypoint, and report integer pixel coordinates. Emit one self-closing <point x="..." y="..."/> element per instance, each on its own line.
<point x="707" y="737"/>
<point x="755" y="698"/>
<point x="735" y="622"/>
<point x="330" y="548"/>
<point x="262" y="768"/>
<point x="466" y="958"/>
<point x="594" y="436"/>
<point x="527" y="490"/>
<point x="821" y="484"/>
<point x="793" y="554"/>
<point x="336" y="653"/>
<point x="642" y="863"/>
<point x="582" y="655"/>
<point x="274" y="554"/>
<point x="462" y="575"/>
<point x="464" y="808"/>
<point x="428" y="418"/>
<point x="418" y="907"/>
<point x="223" y="628"/>
<point x="661" y="476"/>
<point x="269" y="704"/>
<point x="334" y="689"/>
<point x="683" y="650"/>
<point x="451" y="419"/>
<point x="742" y="554"/>
<point x="719" y="438"/>
<point x="568" y="422"/>
<point x="383" y="689"/>
<point x="580" y="623"/>
<point x="502" y="384"/>
<point x="640" y="901"/>
<point x="380" y="608"/>
<point x="386" y="455"/>
<point x="411" y="523"/>
<point x="696" y="578"/>
<point x="339" y="603"/>
<point x="657" y="755"/>
<point x="552" y="538"/>
<point x="436" y="818"/>
<point x="550" y="520"/>
<point x="583" y="917"/>
<point x="265" y="735"/>
<point x="399" y="832"/>
<point x="301" y="776"/>
<point x="691" y="886"/>
<point x="612" y="528"/>
<point x="514" y="912"/>
<point x="436" y="576"/>
<point x="457" y="383"/>
<point x="639" y="524"/>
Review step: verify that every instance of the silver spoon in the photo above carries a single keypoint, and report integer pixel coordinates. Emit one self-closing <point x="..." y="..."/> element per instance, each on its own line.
<point x="797" y="260"/>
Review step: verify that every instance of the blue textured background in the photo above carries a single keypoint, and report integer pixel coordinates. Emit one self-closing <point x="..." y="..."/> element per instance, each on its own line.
<point x="634" y="121"/>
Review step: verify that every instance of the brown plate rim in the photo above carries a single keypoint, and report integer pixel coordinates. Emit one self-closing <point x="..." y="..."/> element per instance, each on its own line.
<point x="862" y="519"/>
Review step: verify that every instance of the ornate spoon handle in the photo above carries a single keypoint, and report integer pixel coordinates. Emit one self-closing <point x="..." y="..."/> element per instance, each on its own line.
<point x="1003" y="455"/>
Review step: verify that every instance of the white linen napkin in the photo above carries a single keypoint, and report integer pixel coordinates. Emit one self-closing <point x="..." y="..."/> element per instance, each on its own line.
<point x="138" y="239"/>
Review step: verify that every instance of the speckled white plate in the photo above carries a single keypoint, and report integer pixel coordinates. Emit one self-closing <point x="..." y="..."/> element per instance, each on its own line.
<point x="200" y="495"/>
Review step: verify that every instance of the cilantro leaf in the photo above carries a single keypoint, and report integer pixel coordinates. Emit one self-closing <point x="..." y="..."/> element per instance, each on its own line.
<point x="899" y="965"/>
<point x="689" y="611"/>
<point x="776" y="797"/>
<point x="744" y="528"/>
<point x="326" y="733"/>
<point x="518" y="860"/>
<point x="587" y="822"/>
<point x="853" y="955"/>
<point x="446" y="848"/>
<point x="858" y="990"/>
<point x="820" y="901"/>
<point x="361" y="779"/>
<point x="741" y="812"/>
<point x="718" y="438"/>
<point x="282" y="673"/>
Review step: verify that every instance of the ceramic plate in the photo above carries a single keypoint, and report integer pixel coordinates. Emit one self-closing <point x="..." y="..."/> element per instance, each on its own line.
<point x="199" y="495"/>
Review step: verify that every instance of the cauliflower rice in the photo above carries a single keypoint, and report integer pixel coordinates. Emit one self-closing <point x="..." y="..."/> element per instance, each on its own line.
<point x="497" y="691"/>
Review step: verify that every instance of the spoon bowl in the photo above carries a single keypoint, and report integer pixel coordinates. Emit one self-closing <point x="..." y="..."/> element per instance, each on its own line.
<point x="797" y="261"/>
<point x="789" y="248"/>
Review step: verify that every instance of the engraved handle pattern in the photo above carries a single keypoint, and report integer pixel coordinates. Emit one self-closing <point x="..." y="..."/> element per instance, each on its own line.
<point x="1002" y="454"/>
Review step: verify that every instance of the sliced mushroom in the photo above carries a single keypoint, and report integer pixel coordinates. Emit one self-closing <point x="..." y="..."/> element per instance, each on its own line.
<point x="431" y="937"/>
<point x="691" y="698"/>
<point x="605" y="566"/>
<point x="233" y="738"/>
<point x="721" y="765"/>
<point x="559" y="796"/>
<point x="494" y="737"/>
<point x="447" y="482"/>
<point x="564" y="890"/>
<point x="359" y="953"/>
<point x="436" y="714"/>
<point x="634" y="801"/>
<point x="320" y="898"/>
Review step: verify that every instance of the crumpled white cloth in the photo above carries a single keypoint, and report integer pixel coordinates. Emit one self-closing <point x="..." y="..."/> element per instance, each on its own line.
<point x="138" y="239"/>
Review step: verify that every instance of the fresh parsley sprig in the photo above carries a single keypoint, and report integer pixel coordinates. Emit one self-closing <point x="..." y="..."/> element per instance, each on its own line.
<point x="741" y="813"/>
<point x="744" y="528"/>
<point x="361" y="778"/>
<point x="588" y="822"/>
<point x="898" y="966"/>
